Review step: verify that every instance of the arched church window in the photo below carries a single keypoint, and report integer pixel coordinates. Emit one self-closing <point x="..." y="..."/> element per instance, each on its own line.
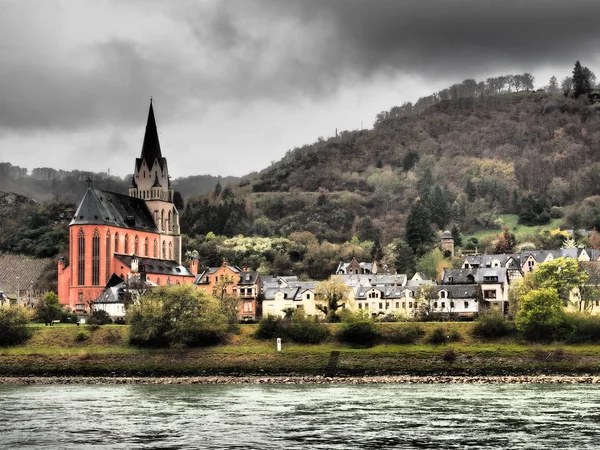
<point x="164" y="250"/>
<point x="136" y="245"/>
<point x="108" y="255"/>
<point x="80" y="258"/>
<point x="96" y="258"/>
<point x="146" y="249"/>
<point x="126" y="249"/>
<point x="169" y="227"/>
<point x="155" y="248"/>
<point x="170" y="250"/>
<point x="116" y="242"/>
<point x="162" y="219"/>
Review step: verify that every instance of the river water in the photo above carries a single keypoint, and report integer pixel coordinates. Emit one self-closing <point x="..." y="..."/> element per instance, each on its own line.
<point x="423" y="416"/>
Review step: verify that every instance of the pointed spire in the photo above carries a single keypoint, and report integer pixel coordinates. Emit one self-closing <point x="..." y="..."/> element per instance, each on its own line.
<point x="151" y="147"/>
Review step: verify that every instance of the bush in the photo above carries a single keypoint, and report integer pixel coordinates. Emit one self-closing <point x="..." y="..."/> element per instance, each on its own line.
<point x="99" y="317"/>
<point x="407" y="334"/>
<point x="48" y="309"/>
<point x="454" y="335"/>
<point x="449" y="355"/>
<point x="582" y="328"/>
<point x="13" y="326"/>
<point x="305" y="331"/>
<point x="492" y="325"/>
<point x="82" y="336"/>
<point x="437" y="336"/>
<point x="269" y="327"/>
<point x="541" y="315"/>
<point x="177" y="316"/>
<point x="358" y="329"/>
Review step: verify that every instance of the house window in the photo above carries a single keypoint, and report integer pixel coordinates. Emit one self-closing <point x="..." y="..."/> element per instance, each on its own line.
<point x="443" y="305"/>
<point x="80" y="307"/>
<point x="410" y="304"/>
<point x="360" y="306"/>
<point x="96" y="258"/>
<point x="81" y="258"/>
<point x="108" y="256"/>
<point x="451" y="279"/>
<point x="397" y="305"/>
<point x="247" y="307"/>
<point x="307" y="296"/>
<point x="466" y="305"/>
<point x="284" y="295"/>
<point x="387" y="305"/>
<point x="442" y="294"/>
<point x="380" y="305"/>
<point x="451" y="304"/>
<point x="403" y="305"/>
<point x="489" y="294"/>
<point x="164" y="250"/>
<point x="170" y="250"/>
<point x="169" y="221"/>
<point x="435" y="304"/>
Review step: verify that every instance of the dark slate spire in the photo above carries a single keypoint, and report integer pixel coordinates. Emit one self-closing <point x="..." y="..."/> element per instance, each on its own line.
<point x="151" y="147"/>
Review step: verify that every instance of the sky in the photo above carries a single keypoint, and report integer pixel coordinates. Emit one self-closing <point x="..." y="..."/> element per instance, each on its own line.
<point x="238" y="83"/>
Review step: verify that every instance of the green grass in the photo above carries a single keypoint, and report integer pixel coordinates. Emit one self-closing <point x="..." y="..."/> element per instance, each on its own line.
<point x="520" y="231"/>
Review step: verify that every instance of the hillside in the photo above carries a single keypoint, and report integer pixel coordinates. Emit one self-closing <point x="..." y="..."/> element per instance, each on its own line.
<point x="490" y="156"/>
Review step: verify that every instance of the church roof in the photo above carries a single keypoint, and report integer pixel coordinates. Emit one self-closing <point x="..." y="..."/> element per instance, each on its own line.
<point x="151" y="146"/>
<point x="117" y="210"/>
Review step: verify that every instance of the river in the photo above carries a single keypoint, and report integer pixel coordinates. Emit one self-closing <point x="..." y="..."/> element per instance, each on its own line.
<point x="424" y="416"/>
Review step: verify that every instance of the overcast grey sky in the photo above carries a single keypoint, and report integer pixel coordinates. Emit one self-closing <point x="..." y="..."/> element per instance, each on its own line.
<point x="237" y="83"/>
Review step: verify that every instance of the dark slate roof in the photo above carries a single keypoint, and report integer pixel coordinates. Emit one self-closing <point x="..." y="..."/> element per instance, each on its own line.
<point x="461" y="276"/>
<point x="117" y="210"/>
<point x="113" y="281"/>
<point x="151" y="146"/>
<point x="157" y="266"/>
<point x="446" y="235"/>
<point x="116" y="293"/>
<point x="248" y="278"/>
<point x="17" y="272"/>
<point x="461" y="291"/>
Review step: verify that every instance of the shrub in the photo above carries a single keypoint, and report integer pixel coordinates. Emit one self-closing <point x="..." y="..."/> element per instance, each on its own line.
<point x="454" y="335"/>
<point x="99" y="317"/>
<point x="449" y="355"/>
<point x="541" y="315"/>
<point x="437" y="336"/>
<point x="48" y="309"/>
<point x="582" y="328"/>
<point x="358" y="329"/>
<point x="82" y="336"/>
<point x="176" y="316"/>
<point x="269" y="327"/>
<point x="13" y="326"/>
<point x="407" y="334"/>
<point x="492" y="325"/>
<point x="305" y="331"/>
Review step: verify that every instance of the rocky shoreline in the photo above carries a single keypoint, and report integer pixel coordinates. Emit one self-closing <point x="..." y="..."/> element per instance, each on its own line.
<point x="533" y="379"/>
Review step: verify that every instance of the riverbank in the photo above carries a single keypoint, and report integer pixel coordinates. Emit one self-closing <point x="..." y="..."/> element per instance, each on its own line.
<point x="539" y="379"/>
<point x="104" y="352"/>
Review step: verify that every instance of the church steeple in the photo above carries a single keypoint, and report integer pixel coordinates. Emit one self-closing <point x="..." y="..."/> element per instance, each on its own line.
<point x="151" y="146"/>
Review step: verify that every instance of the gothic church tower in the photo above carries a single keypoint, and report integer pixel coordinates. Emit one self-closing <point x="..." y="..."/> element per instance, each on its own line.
<point x="151" y="183"/>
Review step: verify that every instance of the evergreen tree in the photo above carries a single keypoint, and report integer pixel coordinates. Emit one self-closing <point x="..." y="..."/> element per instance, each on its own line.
<point x="376" y="251"/>
<point x="424" y="186"/>
<point x="405" y="259"/>
<point x="419" y="234"/>
<point x="218" y="189"/>
<point x="456" y="235"/>
<point x="440" y="212"/>
<point x="581" y="80"/>
<point x="470" y="190"/>
<point x="366" y="230"/>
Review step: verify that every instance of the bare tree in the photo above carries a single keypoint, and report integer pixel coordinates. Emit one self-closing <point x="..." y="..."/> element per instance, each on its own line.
<point x="528" y="80"/>
<point x="566" y="85"/>
<point x="553" y="86"/>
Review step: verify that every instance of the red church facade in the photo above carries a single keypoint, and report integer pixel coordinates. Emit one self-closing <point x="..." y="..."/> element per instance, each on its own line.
<point x="109" y="228"/>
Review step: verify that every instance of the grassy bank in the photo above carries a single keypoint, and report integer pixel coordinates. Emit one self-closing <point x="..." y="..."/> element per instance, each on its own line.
<point x="105" y="352"/>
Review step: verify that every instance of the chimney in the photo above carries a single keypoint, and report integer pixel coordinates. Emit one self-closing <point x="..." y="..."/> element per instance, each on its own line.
<point x="194" y="266"/>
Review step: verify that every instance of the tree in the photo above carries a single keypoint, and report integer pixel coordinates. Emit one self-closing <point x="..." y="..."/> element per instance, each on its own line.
<point x="506" y="242"/>
<point x="581" y="80"/>
<point x="455" y="230"/>
<point x="419" y="234"/>
<point x="376" y="251"/>
<point x="553" y="86"/>
<point x="176" y="316"/>
<point x="562" y="275"/>
<point x="13" y="326"/>
<point x="433" y="263"/>
<point x="366" y="230"/>
<point x="528" y="81"/>
<point x="540" y="314"/>
<point x="178" y="201"/>
<point x="440" y="211"/>
<point x="405" y="259"/>
<point x="566" y="85"/>
<point x="48" y="309"/>
<point x="425" y="297"/>
<point x="331" y="295"/>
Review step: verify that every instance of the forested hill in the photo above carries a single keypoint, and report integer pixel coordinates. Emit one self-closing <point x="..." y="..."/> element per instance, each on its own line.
<point x="45" y="183"/>
<point x="470" y="158"/>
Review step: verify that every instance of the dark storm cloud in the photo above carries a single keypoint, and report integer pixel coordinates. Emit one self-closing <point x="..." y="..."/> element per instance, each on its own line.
<point x="246" y="50"/>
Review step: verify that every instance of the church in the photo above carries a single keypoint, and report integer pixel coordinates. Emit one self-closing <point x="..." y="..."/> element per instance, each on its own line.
<point x="116" y="235"/>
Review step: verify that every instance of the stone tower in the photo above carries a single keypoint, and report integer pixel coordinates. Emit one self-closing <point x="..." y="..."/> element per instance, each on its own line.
<point x="447" y="243"/>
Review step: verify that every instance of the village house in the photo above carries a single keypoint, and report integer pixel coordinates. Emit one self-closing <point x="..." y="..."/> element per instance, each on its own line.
<point x="493" y="281"/>
<point x="231" y="280"/>
<point x="282" y="293"/>
<point x="119" y="294"/>
<point x="20" y="278"/>
<point x="354" y="267"/>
